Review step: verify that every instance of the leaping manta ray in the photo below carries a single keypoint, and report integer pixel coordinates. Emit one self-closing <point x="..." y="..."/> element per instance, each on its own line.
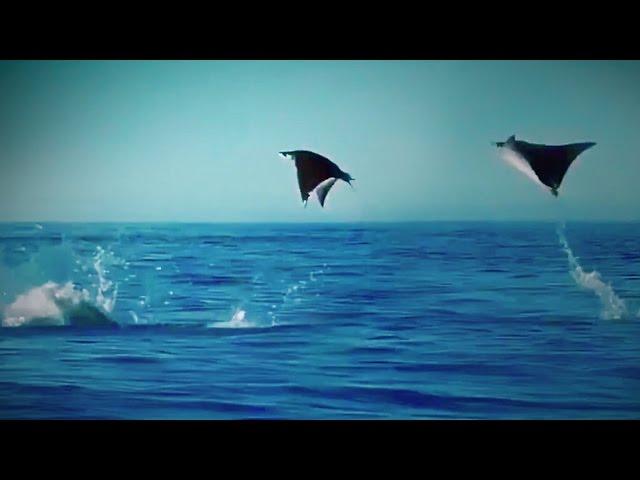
<point x="316" y="172"/>
<point x="549" y="162"/>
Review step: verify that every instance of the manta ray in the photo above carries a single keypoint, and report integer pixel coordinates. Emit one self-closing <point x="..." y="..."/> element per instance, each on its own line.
<point x="549" y="163"/>
<point x="316" y="172"/>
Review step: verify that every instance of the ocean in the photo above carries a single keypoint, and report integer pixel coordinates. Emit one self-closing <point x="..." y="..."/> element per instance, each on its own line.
<point x="320" y="321"/>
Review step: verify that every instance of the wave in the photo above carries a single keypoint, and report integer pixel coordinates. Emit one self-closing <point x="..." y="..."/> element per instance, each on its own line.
<point x="613" y="307"/>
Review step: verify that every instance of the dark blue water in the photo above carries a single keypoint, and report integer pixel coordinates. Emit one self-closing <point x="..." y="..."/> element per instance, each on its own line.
<point x="436" y="320"/>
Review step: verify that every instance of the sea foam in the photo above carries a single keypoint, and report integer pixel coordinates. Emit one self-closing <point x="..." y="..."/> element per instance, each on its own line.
<point x="613" y="307"/>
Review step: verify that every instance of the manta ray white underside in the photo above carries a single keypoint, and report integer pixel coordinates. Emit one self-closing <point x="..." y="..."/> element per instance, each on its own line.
<point x="322" y="190"/>
<point x="518" y="162"/>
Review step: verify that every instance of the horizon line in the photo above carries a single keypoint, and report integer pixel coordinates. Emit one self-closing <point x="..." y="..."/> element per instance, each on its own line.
<point x="306" y="222"/>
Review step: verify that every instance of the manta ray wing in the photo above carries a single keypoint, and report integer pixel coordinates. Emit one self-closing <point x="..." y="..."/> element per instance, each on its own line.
<point x="323" y="189"/>
<point x="310" y="174"/>
<point x="550" y="163"/>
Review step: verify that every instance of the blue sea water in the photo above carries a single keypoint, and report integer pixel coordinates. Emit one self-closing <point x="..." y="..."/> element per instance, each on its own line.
<point x="321" y="321"/>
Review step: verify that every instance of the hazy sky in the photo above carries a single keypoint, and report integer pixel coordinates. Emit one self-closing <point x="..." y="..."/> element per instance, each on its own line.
<point x="199" y="141"/>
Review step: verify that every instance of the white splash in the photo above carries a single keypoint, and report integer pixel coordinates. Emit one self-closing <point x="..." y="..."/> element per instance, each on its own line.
<point x="107" y="290"/>
<point x="56" y="304"/>
<point x="44" y="305"/>
<point x="238" y="320"/>
<point x="312" y="274"/>
<point x="294" y="293"/>
<point x="613" y="307"/>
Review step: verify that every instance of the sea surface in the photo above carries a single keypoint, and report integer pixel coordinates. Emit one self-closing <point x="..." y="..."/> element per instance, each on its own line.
<point x="320" y="321"/>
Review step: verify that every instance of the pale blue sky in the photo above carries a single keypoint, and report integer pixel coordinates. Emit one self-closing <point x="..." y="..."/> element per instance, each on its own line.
<point x="198" y="141"/>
